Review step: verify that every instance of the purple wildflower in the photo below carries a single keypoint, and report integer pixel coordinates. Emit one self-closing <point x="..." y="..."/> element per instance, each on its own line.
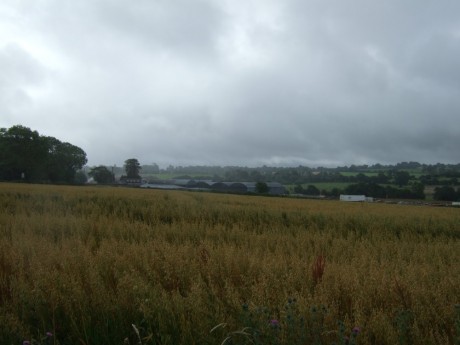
<point x="274" y="323"/>
<point x="49" y="334"/>
<point x="356" y="330"/>
<point x="26" y="342"/>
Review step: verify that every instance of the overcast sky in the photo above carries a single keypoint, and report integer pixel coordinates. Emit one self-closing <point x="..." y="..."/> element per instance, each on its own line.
<point x="230" y="82"/>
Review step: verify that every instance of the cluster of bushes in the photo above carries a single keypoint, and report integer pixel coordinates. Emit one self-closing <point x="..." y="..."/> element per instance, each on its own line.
<point x="446" y="193"/>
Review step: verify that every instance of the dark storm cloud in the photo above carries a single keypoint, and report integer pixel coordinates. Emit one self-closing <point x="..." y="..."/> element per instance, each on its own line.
<point x="230" y="82"/>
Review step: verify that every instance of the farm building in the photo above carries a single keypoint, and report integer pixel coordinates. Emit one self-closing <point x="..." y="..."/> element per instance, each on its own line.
<point x="131" y="181"/>
<point x="274" y="188"/>
<point x="355" y="198"/>
<point x="160" y="186"/>
<point x="192" y="183"/>
<point x="232" y="187"/>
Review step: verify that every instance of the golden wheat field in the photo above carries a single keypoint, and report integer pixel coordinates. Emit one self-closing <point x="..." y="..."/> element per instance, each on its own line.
<point x="82" y="265"/>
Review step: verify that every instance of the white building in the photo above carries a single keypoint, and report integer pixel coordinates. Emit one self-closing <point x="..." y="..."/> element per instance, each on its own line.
<point x="353" y="198"/>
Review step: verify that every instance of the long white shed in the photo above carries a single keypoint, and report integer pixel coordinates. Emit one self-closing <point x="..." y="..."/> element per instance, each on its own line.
<point x="345" y="197"/>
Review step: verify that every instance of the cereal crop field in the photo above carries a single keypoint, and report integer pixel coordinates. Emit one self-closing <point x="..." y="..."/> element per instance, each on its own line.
<point x="82" y="265"/>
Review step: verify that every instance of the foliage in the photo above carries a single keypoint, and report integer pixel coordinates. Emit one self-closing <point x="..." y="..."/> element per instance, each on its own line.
<point x="86" y="263"/>
<point x="80" y="177"/>
<point x="446" y="193"/>
<point x="416" y="191"/>
<point x="262" y="188"/>
<point x="22" y="154"/>
<point x="132" y="168"/>
<point x="25" y="155"/>
<point x="287" y="326"/>
<point x="310" y="190"/>
<point x="405" y="180"/>
<point x="102" y="174"/>
<point x="401" y="178"/>
<point x="151" y="169"/>
<point x="399" y="174"/>
<point x="63" y="160"/>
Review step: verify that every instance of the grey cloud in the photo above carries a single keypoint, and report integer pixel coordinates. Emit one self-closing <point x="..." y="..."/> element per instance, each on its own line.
<point x="258" y="82"/>
<point x="19" y="73"/>
<point x="182" y="25"/>
<point x="436" y="59"/>
<point x="106" y="31"/>
<point x="18" y="66"/>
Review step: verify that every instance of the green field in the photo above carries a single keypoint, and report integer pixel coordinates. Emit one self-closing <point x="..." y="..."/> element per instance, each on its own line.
<point x="86" y="263"/>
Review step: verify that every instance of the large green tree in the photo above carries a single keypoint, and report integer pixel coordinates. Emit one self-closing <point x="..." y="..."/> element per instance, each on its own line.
<point x="22" y="154"/>
<point x="25" y="155"/>
<point x="132" y="168"/>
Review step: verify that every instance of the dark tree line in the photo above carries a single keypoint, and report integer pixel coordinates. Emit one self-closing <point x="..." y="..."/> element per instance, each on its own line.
<point x="415" y="191"/>
<point x="25" y="155"/>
